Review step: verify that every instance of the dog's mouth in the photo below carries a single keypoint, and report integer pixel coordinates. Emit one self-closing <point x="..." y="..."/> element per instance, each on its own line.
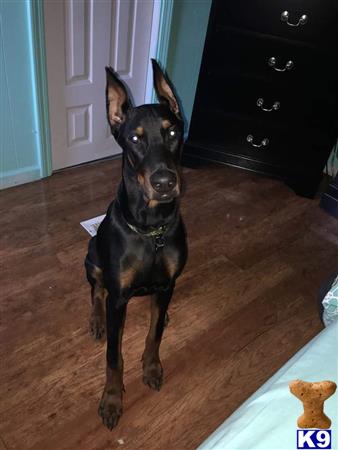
<point x="160" y="199"/>
<point x="166" y="198"/>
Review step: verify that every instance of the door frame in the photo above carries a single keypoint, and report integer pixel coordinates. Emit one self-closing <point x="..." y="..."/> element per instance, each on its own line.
<point x="159" y="43"/>
<point x="41" y="87"/>
<point x="160" y="37"/>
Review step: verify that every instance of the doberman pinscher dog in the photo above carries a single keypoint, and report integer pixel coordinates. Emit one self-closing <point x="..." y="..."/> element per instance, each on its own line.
<point x="140" y="247"/>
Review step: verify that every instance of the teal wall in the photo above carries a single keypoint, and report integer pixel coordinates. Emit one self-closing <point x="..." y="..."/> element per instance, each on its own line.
<point x="20" y="159"/>
<point x="187" y="36"/>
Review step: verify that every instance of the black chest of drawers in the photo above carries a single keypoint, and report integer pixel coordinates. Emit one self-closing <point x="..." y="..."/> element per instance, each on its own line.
<point x="267" y="95"/>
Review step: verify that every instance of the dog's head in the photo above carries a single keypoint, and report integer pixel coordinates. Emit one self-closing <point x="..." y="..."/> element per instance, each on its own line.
<point x="150" y="136"/>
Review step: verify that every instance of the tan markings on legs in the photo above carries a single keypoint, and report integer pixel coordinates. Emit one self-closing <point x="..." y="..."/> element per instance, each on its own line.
<point x="97" y="274"/>
<point x="110" y="408"/>
<point x="114" y="377"/>
<point x="171" y="264"/>
<point x="114" y="383"/>
<point x="97" y="322"/>
<point x="126" y="277"/>
<point x="151" y="348"/>
<point x="152" y="367"/>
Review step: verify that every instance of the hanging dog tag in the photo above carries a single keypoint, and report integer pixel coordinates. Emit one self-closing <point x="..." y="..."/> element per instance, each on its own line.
<point x="159" y="242"/>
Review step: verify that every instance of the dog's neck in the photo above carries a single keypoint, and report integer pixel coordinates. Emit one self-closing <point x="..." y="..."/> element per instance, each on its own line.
<point x="138" y="211"/>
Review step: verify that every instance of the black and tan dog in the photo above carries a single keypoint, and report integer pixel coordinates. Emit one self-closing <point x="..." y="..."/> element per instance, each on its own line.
<point x="140" y="247"/>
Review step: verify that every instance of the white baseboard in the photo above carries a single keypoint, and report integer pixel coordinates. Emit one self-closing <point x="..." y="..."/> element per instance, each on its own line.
<point x="19" y="176"/>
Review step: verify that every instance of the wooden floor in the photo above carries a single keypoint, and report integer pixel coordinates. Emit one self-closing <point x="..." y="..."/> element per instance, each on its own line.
<point x="244" y="305"/>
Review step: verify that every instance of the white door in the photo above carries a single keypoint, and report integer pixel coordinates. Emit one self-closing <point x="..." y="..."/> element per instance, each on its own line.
<point x="82" y="37"/>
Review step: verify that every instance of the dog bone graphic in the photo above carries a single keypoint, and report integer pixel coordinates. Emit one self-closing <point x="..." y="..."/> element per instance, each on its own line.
<point x="313" y="396"/>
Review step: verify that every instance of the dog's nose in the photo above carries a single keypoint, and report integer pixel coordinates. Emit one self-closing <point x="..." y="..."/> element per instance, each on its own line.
<point x="163" y="181"/>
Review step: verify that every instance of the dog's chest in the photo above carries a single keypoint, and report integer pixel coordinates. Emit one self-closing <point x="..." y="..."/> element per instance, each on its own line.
<point x="145" y="270"/>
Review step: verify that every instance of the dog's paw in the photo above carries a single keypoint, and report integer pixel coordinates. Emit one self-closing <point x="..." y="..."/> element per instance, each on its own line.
<point x="97" y="327"/>
<point x="110" y="409"/>
<point x="153" y="375"/>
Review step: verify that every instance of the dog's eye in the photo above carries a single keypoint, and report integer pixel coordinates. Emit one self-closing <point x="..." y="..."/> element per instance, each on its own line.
<point x="134" y="139"/>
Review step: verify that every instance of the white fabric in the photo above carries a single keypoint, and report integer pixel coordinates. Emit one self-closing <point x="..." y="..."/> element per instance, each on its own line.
<point x="268" y="419"/>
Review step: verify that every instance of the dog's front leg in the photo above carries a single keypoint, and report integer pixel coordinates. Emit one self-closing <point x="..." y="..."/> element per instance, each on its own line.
<point x="152" y="367"/>
<point x="110" y="408"/>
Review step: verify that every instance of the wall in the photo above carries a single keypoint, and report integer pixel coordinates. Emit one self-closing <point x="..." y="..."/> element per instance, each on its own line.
<point x="187" y="36"/>
<point x="20" y="160"/>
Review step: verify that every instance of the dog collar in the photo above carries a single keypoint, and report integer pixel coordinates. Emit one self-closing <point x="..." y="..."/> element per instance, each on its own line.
<point x="157" y="234"/>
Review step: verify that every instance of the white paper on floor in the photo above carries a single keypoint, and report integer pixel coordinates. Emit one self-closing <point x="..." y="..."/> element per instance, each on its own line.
<point x="91" y="225"/>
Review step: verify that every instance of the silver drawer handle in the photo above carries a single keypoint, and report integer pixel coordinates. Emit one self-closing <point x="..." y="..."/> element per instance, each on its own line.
<point x="272" y="62"/>
<point x="260" y="103"/>
<point x="264" y="142"/>
<point x="285" y="18"/>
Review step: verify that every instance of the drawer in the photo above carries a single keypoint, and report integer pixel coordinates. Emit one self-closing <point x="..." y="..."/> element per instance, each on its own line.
<point x="264" y="16"/>
<point x="239" y="52"/>
<point x="286" y="147"/>
<point x="266" y="101"/>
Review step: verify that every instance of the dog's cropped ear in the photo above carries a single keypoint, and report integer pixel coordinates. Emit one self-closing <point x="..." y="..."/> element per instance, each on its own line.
<point x="163" y="89"/>
<point x="117" y="100"/>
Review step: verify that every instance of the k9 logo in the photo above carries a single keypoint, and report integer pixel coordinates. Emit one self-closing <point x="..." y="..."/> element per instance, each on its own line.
<point x="313" y="438"/>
